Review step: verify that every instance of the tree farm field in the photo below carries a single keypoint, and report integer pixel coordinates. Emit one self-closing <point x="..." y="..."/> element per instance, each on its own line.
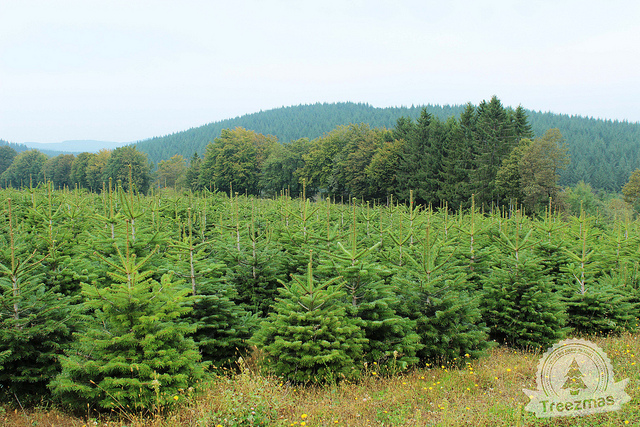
<point x="205" y="309"/>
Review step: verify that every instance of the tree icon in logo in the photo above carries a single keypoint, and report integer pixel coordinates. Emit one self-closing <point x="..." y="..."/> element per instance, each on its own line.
<point x="574" y="379"/>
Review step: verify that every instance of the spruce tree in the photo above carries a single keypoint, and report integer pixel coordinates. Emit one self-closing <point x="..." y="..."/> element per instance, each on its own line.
<point x="520" y="306"/>
<point x="308" y="337"/>
<point x="134" y="355"/>
<point x="35" y="320"/>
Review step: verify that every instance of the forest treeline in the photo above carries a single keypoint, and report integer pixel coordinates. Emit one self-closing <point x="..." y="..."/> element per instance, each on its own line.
<point x="489" y="151"/>
<point x="603" y="153"/>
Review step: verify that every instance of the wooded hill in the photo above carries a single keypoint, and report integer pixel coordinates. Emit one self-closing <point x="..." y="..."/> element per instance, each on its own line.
<point x="602" y="153"/>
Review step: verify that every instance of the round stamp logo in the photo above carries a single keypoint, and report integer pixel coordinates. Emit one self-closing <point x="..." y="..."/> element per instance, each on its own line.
<point x="574" y="378"/>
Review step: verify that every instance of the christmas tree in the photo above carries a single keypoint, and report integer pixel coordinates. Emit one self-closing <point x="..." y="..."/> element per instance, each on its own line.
<point x="308" y="337"/>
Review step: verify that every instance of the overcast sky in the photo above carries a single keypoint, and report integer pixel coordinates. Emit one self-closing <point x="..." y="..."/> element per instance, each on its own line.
<point x="130" y="70"/>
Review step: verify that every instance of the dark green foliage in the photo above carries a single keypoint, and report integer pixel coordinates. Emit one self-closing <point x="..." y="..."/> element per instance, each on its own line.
<point x="519" y="304"/>
<point x="134" y="355"/>
<point x="222" y="326"/>
<point x="308" y="338"/>
<point x="437" y="297"/>
<point x="448" y="320"/>
<point x="125" y="165"/>
<point x="605" y="308"/>
<point x="35" y="320"/>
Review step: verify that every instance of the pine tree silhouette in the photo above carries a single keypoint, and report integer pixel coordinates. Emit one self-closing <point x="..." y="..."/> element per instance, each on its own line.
<point x="574" y="379"/>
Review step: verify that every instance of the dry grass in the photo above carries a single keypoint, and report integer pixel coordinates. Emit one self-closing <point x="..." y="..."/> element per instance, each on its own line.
<point x="485" y="392"/>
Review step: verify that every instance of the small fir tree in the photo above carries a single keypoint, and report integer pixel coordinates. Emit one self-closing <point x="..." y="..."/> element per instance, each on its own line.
<point x="134" y="356"/>
<point x="223" y="327"/>
<point x="520" y="305"/>
<point x="308" y="337"/>
<point x="35" y="320"/>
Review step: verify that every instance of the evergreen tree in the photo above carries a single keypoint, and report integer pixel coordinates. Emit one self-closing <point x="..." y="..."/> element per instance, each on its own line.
<point x="308" y="337"/>
<point x="519" y="304"/>
<point x="223" y="327"/>
<point x="494" y="139"/>
<point x="35" y="320"/>
<point x="192" y="175"/>
<point x="134" y="355"/>
<point x="436" y="295"/>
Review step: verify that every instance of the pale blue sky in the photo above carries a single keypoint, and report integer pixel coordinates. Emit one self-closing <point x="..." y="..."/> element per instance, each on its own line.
<point x="129" y="70"/>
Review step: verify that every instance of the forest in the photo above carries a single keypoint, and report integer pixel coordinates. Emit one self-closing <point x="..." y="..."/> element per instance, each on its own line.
<point x="489" y="151"/>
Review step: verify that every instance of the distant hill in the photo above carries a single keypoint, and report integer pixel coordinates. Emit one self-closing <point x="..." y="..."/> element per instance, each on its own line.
<point x="603" y="153"/>
<point x="77" y="146"/>
<point x="65" y="147"/>
<point x="22" y="147"/>
<point x="287" y="124"/>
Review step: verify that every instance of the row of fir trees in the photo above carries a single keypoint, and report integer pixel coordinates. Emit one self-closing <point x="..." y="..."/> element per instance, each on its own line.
<point x="126" y="301"/>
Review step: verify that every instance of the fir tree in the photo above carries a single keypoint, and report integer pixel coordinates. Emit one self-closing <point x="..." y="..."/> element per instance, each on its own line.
<point x="308" y="337"/>
<point x="134" y="356"/>
<point x="371" y="300"/>
<point x="223" y="327"/>
<point x="436" y="296"/>
<point x="35" y="320"/>
<point x="519" y="304"/>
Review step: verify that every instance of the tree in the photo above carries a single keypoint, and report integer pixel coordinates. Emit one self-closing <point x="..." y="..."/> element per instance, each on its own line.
<point x="539" y="167"/>
<point x="320" y="159"/>
<point x="494" y="138"/>
<point x="308" y="337"/>
<point x="457" y="163"/>
<point x="95" y="170"/>
<point x="79" y="169"/>
<point x="280" y="170"/>
<point x="360" y="143"/>
<point x="508" y="179"/>
<point x="58" y="170"/>
<point x="171" y="173"/>
<point x="235" y="160"/>
<point x="7" y="154"/>
<point x="25" y="169"/>
<point x="631" y="190"/>
<point x="134" y="354"/>
<point x="125" y="160"/>
<point x="35" y="320"/>
<point x="192" y="175"/>
<point x="383" y="168"/>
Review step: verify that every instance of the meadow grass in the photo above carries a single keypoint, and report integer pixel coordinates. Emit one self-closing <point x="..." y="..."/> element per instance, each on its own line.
<point x="482" y="392"/>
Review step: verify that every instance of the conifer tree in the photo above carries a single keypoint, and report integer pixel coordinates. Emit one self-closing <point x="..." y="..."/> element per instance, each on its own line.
<point x="595" y="302"/>
<point x="308" y="337"/>
<point x="134" y="355"/>
<point x="223" y="327"/>
<point x="35" y="320"/>
<point x="519" y="306"/>
<point x="436" y="296"/>
<point x="371" y="300"/>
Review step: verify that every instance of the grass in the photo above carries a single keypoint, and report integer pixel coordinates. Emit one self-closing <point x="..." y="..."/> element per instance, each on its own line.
<point x="484" y="392"/>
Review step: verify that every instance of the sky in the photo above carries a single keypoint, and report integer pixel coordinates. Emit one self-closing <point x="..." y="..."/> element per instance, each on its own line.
<point x="125" y="71"/>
